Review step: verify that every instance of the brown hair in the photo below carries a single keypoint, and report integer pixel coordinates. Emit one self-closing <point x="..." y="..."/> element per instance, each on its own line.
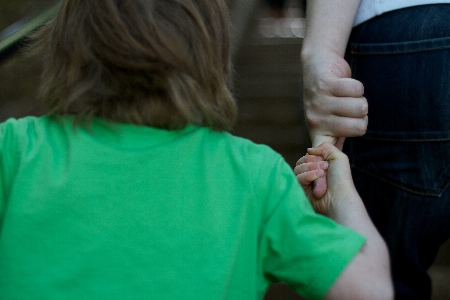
<point x="163" y="63"/>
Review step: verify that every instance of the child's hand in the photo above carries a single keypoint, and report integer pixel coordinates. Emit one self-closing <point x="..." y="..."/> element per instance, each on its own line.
<point x="308" y="169"/>
<point x="325" y="159"/>
<point x="320" y="185"/>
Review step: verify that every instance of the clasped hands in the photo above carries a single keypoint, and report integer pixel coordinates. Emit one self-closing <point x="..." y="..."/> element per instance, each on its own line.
<point x="335" y="108"/>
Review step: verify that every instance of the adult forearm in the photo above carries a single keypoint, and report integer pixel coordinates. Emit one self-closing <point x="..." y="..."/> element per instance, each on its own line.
<point x="328" y="25"/>
<point x="333" y="101"/>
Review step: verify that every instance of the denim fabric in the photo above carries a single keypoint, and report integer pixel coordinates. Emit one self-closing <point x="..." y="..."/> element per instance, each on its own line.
<point x="401" y="166"/>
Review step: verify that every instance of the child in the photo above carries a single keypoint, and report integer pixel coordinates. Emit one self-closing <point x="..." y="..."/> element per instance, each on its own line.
<point x="131" y="188"/>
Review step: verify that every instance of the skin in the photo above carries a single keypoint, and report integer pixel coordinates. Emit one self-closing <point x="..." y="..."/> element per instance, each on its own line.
<point x="334" y="103"/>
<point x="368" y="274"/>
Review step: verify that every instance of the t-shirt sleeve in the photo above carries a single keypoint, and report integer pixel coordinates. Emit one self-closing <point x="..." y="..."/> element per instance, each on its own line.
<point x="299" y="247"/>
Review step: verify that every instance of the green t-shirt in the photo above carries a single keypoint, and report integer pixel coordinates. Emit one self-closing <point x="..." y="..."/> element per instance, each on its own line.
<point x="126" y="212"/>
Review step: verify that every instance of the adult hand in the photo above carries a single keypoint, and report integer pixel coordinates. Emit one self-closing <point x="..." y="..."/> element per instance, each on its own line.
<point x="333" y="101"/>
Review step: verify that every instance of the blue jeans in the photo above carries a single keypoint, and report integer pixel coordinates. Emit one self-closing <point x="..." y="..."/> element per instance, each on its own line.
<point x="401" y="166"/>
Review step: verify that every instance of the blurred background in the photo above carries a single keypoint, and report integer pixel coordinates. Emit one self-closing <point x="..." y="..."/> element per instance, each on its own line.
<point x="266" y="44"/>
<point x="19" y="77"/>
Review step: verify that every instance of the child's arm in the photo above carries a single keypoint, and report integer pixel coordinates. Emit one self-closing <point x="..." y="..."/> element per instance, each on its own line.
<point x="368" y="275"/>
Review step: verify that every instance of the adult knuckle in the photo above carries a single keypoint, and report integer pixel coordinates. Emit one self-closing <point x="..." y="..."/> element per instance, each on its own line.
<point x="362" y="128"/>
<point x="360" y="88"/>
<point x="312" y="120"/>
<point x="321" y="85"/>
<point x="364" y="108"/>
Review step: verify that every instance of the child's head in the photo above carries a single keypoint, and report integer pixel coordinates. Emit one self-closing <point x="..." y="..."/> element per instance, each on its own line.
<point x="162" y="63"/>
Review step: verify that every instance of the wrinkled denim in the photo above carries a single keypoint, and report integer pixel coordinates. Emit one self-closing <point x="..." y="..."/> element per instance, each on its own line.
<point x="401" y="166"/>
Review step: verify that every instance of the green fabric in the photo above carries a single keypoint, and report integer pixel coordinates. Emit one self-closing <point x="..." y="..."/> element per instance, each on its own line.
<point x="128" y="212"/>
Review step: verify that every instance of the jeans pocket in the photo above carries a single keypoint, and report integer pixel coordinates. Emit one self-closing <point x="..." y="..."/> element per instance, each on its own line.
<point x="407" y="85"/>
<point x="417" y="167"/>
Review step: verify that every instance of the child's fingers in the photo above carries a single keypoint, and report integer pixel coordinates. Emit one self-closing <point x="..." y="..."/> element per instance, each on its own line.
<point x="311" y="166"/>
<point x="309" y="158"/>
<point x="327" y="151"/>
<point x="307" y="178"/>
<point x="320" y="187"/>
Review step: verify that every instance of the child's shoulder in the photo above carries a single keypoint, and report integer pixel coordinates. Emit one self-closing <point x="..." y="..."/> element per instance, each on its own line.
<point x="15" y="124"/>
<point x="28" y="121"/>
<point x="244" y="147"/>
<point x="31" y="128"/>
<point x="241" y="142"/>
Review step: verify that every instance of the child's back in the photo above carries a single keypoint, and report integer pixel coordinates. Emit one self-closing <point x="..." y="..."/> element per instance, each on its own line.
<point x="124" y="211"/>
